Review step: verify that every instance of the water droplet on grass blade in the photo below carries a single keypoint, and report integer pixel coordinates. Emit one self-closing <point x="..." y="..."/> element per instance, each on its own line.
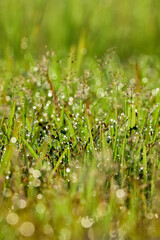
<point x="39" y="196"/>
<point x="145" y="80"/>
<point x="67" y="170"/>
<point x="22" y="203"/>
<point x="120" y="193"/>
<point x="12" y="218"/>
<point x="36" y="182"/>
<point x="47" y="229"/>
<point x="27" y="229"/>
<point x="49" y="93"/>
<point x="87" y="222"/>
<point x="13" y="140"/>
<point x="8" y="98"/>
<point x="36" y="173"/>
<point x="40" y="208"/>
<point x="150" y="215"/>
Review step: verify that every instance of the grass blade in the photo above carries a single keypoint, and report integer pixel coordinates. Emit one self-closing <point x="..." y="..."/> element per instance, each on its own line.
<point x="30" y="149"/>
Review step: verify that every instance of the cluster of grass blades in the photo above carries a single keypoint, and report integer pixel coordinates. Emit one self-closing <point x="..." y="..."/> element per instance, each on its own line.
<point x="79" y="150"/>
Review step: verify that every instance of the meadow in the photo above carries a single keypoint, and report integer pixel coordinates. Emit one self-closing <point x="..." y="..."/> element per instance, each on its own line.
<point x="79" y="120"/>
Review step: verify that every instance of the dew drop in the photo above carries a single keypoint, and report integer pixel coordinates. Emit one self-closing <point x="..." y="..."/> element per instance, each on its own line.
<point x="27" y="229"/>
<point x="86" y="222"/>
<point x="13" y="140"/>
<point x="12" y="218"/>
<point x="120" y="193"/>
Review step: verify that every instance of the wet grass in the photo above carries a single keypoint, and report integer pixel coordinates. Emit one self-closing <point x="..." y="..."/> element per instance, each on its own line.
<point x="79" y="149"/>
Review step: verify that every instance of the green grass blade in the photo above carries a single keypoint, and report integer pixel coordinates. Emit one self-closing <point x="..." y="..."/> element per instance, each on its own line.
<point x="11" y="119"/>
<point x="58" y="163"/>
<point x="30" y="149"/>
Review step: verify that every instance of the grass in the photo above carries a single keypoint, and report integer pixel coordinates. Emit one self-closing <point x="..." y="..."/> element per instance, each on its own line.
<point x="79" y="129"/>
<point x="79" y="148"/>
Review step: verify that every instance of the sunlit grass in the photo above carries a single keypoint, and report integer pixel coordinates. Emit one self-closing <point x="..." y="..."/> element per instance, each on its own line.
<point x="79" y="149"/>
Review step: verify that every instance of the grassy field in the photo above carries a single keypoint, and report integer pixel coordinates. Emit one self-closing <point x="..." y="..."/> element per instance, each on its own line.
<point x="79" y="127"/>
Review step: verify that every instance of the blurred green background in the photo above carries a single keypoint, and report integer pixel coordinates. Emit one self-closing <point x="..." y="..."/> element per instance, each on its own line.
<point x="133" y="27"/>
